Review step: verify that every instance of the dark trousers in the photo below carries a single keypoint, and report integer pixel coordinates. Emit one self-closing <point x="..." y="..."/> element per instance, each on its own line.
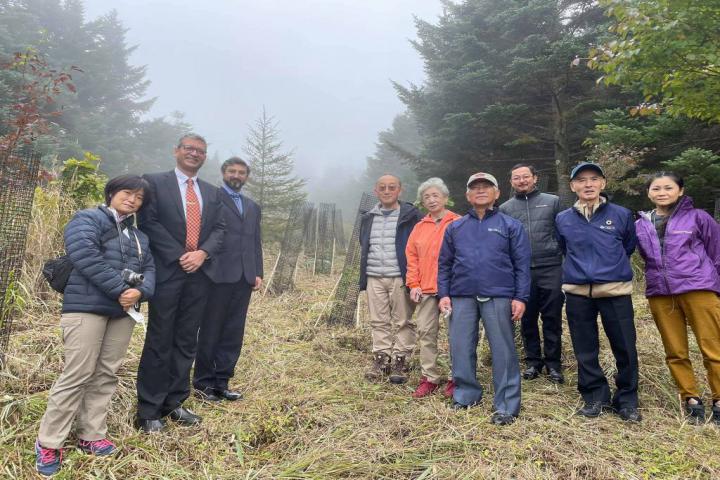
<point x="617" y="315"/>
<point x="163" y="382"/>
<point x="546" y="301"/>
<point x="221" y="335"/>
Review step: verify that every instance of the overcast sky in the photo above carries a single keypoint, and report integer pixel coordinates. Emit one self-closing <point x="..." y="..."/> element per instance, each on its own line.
<point x="322" y="68"/>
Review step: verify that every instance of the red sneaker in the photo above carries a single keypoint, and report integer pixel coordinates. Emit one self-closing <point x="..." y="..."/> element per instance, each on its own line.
<point x="449" y="388"/>
<point x="425" y="388"/>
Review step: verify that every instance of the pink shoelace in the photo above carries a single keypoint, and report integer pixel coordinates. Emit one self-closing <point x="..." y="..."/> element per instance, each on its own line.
<point x="97" y="444"/>
<point x="49" y="455"/>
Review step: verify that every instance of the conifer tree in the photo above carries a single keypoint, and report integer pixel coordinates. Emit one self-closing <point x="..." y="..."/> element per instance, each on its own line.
<point x="272" y="183"/>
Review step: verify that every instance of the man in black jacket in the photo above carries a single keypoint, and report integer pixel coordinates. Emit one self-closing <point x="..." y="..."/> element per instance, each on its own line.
<point x="186" y="228"/>
<point x="384" y="232"/>
<point x="537" y="211"/>
<point x="237" y="272"/>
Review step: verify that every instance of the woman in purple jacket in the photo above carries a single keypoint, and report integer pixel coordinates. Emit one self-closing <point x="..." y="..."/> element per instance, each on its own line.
<point x="681" y="248"/>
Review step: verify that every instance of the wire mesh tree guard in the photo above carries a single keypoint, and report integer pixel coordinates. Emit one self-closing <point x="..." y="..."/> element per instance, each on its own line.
<point x="282" y="278"/>
<point x="341" y="308"/>
<point x="18" y="178"/>
<point x="324" y="239"/>
<point x="340" y="244"/>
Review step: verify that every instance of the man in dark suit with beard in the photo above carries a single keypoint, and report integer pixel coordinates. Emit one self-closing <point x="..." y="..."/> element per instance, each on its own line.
<point x="237" y="273"/>
<point x="185" y="223"/>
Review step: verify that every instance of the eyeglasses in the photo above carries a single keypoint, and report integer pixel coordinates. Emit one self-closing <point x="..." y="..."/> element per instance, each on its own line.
<point x="519" y="178"/>
<point x="190" y="149"/>
<point x="389" y="188"/>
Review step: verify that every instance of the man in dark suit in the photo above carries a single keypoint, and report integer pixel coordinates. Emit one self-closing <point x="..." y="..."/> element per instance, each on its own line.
<point x="185" y="223"/>
<point x="236" y="273"/>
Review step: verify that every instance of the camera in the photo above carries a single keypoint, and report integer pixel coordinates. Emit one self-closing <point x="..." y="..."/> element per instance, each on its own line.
<point x="132" y="278"/>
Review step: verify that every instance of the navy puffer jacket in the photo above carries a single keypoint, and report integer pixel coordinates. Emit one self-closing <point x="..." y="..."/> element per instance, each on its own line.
<point x="93" y="245"/>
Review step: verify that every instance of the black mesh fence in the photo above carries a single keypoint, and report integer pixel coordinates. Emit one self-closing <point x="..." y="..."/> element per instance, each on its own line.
<point x="311" y="232"/>
<point x="282" y="278"/>
<point x="340" y="244"/>
<point x="325" y="239"/>
<point x="18" y="178"/>
<point x="344" y="301"/>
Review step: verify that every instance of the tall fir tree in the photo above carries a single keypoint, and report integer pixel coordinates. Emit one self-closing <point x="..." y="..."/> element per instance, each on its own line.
<point x="395" y="150"/>
<point x="501" y="87"/>
<point x="106" y="113"/>
<point x="272" y="183"/>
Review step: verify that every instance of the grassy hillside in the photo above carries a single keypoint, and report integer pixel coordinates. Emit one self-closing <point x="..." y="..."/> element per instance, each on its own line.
<point x="308" y="413"/>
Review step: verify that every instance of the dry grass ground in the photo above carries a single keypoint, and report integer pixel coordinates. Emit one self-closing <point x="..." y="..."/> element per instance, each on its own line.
<point x="308" y="413"/>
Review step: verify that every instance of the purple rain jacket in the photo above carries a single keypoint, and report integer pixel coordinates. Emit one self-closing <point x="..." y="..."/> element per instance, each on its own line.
<point x="690" y="259"/>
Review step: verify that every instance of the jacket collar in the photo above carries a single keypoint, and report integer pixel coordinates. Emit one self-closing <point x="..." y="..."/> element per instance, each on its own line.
<point x="522" y="196"/>
<point x="488" y="213"/>
<point x="685" y="204"/>
<point x="449" y="217"/>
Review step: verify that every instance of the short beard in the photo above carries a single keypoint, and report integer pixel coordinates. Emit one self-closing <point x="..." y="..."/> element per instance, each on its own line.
<point x="235" y="184"/>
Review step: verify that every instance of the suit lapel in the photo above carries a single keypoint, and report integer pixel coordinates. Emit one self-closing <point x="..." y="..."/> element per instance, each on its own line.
<point x="172" y="185"/>
<point x="230" y="203"/>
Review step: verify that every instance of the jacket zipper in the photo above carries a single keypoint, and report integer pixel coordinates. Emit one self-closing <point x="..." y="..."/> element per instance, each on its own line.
<point x="662" y="249"/>
<point x="527" y="207"/>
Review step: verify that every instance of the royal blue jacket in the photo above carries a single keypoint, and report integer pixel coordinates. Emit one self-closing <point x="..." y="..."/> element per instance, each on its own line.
<point x="92" y="241"/>
<point x="485" y="258"/>
<point x="598" y="250"/>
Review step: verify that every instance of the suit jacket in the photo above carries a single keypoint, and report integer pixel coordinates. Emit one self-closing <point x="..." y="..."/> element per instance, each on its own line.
<point x="163" y="220"/>
<point x="241" y="253"/>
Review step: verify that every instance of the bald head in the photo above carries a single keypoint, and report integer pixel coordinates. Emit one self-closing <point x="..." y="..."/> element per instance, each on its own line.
<point x="387" y="190"/>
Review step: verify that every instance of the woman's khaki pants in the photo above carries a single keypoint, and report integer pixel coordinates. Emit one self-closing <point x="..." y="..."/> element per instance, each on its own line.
<point x="95" y="346"/>
<point x="700" y="310"/>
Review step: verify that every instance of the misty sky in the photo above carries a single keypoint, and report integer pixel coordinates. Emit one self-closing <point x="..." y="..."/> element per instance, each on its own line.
<point x="321" y="67"/>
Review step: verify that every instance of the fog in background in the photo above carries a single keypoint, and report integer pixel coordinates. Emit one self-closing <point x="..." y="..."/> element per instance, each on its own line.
<point x="322" y="68"/>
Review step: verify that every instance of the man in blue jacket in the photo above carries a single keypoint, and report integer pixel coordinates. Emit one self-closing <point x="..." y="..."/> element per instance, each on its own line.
<point x="484" y="270"/>
<point x="384" y="232"/>
<point x="597" y="238"/>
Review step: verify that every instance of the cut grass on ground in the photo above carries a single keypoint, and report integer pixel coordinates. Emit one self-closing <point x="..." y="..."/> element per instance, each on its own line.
<point x="308" y="413"/>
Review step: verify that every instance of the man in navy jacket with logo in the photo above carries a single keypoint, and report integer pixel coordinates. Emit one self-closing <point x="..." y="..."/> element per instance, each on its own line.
<point x="597" y="238"/>
<point x="484" y="271"/>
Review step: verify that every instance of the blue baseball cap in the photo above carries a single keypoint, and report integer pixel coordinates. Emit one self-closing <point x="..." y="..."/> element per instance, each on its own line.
<point x="586" y="166"/>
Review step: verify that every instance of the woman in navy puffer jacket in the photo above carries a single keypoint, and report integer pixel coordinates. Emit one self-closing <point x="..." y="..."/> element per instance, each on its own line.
<point x="102" y="244"/>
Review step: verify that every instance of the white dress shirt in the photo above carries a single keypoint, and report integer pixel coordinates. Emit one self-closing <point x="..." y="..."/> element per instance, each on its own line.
<point x="182" y="183"/>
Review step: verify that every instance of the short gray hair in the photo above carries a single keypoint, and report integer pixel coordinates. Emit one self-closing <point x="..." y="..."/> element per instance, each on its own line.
<point x="432" y="182"/>
<point x="192" y="136"/>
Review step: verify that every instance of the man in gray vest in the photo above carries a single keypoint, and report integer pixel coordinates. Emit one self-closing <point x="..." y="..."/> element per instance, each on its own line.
<point x="537" y="211"/>
<point x="384" y="232"/>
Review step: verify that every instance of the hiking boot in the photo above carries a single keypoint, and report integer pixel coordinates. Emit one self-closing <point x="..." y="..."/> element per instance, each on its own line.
<point x="449" y="388"/>
<point x="695" y="412"/>
<point x="425" y="388"/>
<point x="380" y="367"/>
<point x="47" y="460"/>
<point x="630" y="414"/>
<point x="555" y="375"/>
<point x="592" y="409"/>
<point x="398" y="372"/>
<point x="531" y="373"/>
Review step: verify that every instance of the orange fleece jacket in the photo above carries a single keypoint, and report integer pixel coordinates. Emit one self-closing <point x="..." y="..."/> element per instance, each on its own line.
<point x="422" y="251"/>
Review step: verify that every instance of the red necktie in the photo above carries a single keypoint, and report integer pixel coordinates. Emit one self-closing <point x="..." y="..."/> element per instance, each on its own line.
<point x="192" y="218"/>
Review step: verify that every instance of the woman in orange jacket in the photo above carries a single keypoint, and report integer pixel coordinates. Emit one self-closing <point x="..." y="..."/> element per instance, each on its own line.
<point x="422" y="252"/>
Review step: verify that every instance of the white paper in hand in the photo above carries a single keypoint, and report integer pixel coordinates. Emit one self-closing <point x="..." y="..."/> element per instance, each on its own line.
<point x="136" y="315"/>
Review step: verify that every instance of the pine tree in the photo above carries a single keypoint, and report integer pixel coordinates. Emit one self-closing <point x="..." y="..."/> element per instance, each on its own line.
<point x="272" y="183"/>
